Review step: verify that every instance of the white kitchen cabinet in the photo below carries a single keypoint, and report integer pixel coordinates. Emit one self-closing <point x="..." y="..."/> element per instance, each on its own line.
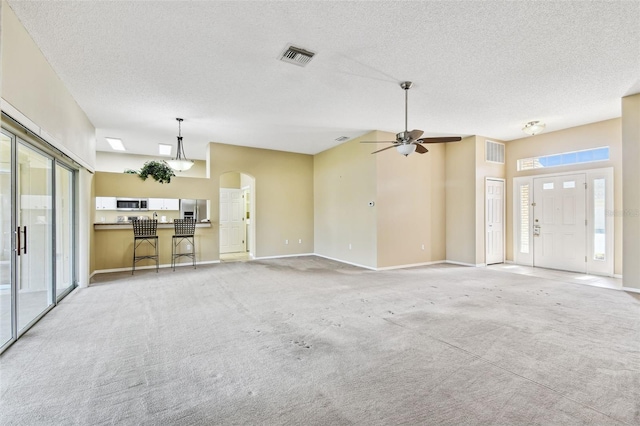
<point x="105" y="203"/>
<point x="164" y="204"/>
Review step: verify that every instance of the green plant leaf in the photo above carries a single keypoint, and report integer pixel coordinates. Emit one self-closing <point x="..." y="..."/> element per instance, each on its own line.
<point x="159" y="171"/>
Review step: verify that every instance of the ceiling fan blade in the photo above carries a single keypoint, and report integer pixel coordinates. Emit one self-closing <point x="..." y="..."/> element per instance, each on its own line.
<point x="439" y="140"/>
<point x="389" y="147"/>
<point x="415" y="134"/>
<point x="378" y="142"/>
<point x="420" y="149"/>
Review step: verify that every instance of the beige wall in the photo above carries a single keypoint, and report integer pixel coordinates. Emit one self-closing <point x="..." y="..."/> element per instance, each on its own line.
<point x="466" y="173"/>
<point x="630" y="135"/>
<point x="460" y="201"/>
<point x="283" y="210"/>
<point x="283" y="195"/>
<point x="410" y="206"/>
<point x="31" y="86"/>
<point x="344" y="184"/>
<point x="115" y="162"/>
<point x="230" y="180"/>
<point x="33" y="94"/>
<point x="604" y="133"/>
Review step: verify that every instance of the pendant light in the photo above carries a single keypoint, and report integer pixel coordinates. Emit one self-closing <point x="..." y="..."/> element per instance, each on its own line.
<point x="180" y="163"/>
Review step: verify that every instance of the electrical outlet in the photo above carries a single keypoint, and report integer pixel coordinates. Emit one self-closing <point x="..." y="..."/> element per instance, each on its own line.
<point x="286" y="241"/>
<point x="349" y="246"/>
<point x="300" y="241"/>
<point x="423" y="247"/>
<point x="188" y="246"/>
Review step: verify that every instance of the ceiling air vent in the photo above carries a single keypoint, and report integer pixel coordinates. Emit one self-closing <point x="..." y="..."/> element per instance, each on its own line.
<point x="342" y="138"/>
<point x="296" y="56"/>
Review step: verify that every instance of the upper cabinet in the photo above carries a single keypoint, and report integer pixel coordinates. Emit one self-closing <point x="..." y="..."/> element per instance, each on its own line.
<point x="105" y="203"/>
<point x="164" y="204"/>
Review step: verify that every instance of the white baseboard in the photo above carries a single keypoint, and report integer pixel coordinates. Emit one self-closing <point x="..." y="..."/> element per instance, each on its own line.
<point x="473" y="265"/>
<point x="617" y="276"/>
<point x="167" y="265"/>
<point x="510" y="262"/>
<point x="282" y="256"/>
<point x="410" y="265"/>
<point x="631" y="289"/>
<point x="345" y="262"/>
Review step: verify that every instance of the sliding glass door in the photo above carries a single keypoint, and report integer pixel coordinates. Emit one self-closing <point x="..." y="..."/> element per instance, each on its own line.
<point x="7" y="333"/>
<point x="64" y="210"/>
<point x="34" y="234"/>
<point x="37" y="224"/>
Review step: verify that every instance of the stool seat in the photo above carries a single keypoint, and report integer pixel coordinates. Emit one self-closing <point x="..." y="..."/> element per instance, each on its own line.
<point x="144" y="233"/>
<point x="184" y="231"/>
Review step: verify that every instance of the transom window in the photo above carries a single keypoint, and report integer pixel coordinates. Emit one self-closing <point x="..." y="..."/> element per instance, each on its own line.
<point x="564" y="159"/>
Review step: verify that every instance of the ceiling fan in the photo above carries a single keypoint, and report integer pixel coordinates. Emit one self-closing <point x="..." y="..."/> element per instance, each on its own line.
<point x="409" y="141"/>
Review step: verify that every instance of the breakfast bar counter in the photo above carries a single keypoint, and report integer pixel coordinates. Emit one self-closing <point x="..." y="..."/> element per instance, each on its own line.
<point x="113" y="242"/>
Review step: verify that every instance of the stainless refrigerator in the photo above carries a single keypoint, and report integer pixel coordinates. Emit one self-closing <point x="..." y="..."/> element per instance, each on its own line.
<point x="196" y="209"/>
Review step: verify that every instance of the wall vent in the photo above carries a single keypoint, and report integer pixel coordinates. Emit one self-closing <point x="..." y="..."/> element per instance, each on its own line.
<point x="494" y="152"/>
<point x="342" y="138"/>
<point x="297" y="56"/>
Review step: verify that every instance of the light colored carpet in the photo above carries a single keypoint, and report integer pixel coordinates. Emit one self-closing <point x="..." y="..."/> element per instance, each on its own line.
<point x="313" y="342"/>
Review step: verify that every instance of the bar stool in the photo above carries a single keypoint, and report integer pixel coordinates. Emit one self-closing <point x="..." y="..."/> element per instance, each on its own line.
<point x="144" y="232"/>
<point x="184" y="230"/>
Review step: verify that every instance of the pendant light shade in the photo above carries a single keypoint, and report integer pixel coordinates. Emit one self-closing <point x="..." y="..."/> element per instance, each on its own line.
<point x="533" y="127"/>
<point x="406" y="148"/>
<point x="180" y="163"/>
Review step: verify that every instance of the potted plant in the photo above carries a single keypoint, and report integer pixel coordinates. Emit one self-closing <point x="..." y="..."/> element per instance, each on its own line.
<point x="158" y="170"/>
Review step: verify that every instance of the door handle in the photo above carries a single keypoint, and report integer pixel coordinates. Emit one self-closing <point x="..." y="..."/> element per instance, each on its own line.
<point x="18" y="248"/>
<point x="25" y="240"/>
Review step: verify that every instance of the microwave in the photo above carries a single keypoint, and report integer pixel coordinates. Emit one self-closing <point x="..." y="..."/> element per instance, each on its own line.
<point x="129" y="204"/>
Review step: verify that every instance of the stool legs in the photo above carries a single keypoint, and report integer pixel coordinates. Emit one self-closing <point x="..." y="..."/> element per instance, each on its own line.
<point x="137" y="242"/>
<point x="175" y="247"/>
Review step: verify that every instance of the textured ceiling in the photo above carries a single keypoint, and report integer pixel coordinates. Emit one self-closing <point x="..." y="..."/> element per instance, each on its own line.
<point x="478" y="67"/>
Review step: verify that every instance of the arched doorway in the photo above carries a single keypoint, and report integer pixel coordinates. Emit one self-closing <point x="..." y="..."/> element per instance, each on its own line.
<point x="237" y="217"/>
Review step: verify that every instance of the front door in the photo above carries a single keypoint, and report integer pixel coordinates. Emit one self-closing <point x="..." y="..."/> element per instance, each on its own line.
<point x="494" y="252"/>
<point x="559" y="226"/>
<point x="231" y="221"/>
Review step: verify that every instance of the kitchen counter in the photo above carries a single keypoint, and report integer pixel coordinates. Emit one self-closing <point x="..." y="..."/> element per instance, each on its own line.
<point x="113" y="243"/>
<point x="99" y="226"/>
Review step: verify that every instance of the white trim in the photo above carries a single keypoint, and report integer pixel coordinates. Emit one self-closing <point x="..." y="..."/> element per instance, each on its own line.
<point x="411" y="265"/>
<point x="283" y="255"/>
<point x="167" y="265"/>
<point x="504" y="216"/>
<point x="631" y="289"/>
<point x="617" y="276"/>
<point x="344" y="261"/>
<point x="510" y="262"/>
<point x="474" y="265"/>
<point x="14" y="113"/>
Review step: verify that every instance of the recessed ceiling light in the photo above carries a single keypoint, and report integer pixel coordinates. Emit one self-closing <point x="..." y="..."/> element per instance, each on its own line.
<point x="116" y="144"/>
<point x="164" y="149"/>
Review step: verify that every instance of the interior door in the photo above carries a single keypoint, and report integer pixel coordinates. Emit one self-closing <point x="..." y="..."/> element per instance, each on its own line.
<point x="494" y="215"/>
<point x="34" y="234"/>
<point x="231" y="221"/>
<point x="559" y="222"/>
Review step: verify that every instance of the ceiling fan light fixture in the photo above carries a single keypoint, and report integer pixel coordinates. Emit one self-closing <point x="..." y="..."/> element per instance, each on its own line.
<point x="406" y="148"/>
<point x="180" y="163"/>
<point x="533" y="127"/>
